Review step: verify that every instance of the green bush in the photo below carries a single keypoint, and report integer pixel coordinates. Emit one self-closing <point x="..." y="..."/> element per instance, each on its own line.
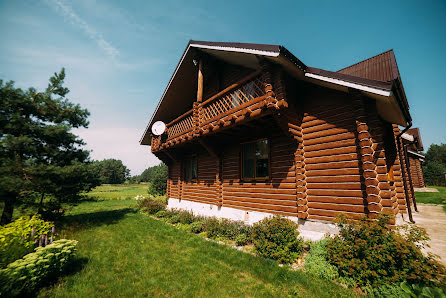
<point x="277" y="238"/>
<point x="225" y="228"/>
<point x="196" y="227"/>
<point x="161" y="214"/>
<point x="24" y="275"/>
<point x="371" y="253"/>
<point x="151" y="206"/>
<point x="175" y="218"/>
<point x="241" y="239"/>
<point x="186" y="217"/>
<point x="16" y="239"/>
<point x="316" y="262"/>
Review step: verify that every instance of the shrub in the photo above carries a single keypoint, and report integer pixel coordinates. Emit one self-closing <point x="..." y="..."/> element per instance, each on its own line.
<point x="18" y="239"/>
<point x="316" y="261"/>
<point x="225" y="228"/>
<point x="175" y="218"/>
<point x="241" y="239"/>
<point x="151" y="207"/>
<point x="196" y="227"/>
<point x="161" y="214"/>
<point x="277" y="238"/>
<point x="370" y="253"/>
<point x="186" y="217"/>
<point x="25" y="275"/>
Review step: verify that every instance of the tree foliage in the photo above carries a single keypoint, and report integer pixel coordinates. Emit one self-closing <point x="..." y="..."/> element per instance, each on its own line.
<point x="434" y="168"/>
<point x="112" y="171"/>
<point x="158" y="180"/>
<point x="149" y="173"/>
<point x="38" y="152"/>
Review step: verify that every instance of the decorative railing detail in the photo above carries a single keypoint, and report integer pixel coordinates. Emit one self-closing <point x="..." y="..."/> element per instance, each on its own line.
<point x="181" y="125"/>
<point x="215" y="107"/>
<point x="246" y="99"/>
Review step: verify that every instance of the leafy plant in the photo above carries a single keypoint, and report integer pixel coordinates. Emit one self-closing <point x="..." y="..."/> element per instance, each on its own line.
<point x="24" y="275"/>
<point x="415" y="290"/>
<point x="316" y="261"/>
<point x="18" y="238"/>
<point x="371" y="253"/>
<point x="277" y="238"/>
<point x="186" y="217"/>
<point x="161" y="214"/>
<point x="175" y="218"/>
<point x="225" y="228"/>
<point x="241" y="239"/>
<point x="151" y="206"/>
<point x="158" y="183"/>
<point x="196" y="227"/>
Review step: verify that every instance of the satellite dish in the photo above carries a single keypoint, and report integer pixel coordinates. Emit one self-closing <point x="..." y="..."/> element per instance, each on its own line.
<point x="158" y="128"/>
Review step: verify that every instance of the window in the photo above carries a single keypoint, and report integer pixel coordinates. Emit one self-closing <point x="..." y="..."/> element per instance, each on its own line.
<point x="255" y="160"/>
<point x="190" y="168"/>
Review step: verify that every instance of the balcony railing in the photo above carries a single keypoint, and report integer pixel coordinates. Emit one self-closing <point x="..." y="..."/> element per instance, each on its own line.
<point x="242" y="99"/>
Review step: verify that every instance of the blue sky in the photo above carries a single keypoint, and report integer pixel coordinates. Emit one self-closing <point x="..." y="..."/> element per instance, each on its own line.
<point x="119" y="55"/>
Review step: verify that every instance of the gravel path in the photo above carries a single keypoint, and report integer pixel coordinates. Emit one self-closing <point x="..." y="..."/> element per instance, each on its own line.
<point x="433" y="219"/>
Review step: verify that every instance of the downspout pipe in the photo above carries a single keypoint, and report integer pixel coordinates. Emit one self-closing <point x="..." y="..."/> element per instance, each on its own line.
<point x="403" y="170"/>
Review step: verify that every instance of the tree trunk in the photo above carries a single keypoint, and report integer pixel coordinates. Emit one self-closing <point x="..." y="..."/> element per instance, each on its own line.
<point x="7" y="211"/>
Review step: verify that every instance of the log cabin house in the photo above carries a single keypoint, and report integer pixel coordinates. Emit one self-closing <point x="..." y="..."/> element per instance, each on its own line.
<point x="415" y="158"/>
<point x="253" y="131"/>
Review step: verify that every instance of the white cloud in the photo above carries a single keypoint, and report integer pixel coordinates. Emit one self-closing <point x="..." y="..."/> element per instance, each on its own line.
<point x="119" y="143"/>
<point x="76" y="20"/>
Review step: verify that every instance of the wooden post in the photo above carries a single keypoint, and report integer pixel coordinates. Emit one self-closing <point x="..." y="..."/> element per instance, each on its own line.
<point x="200" y="81"/>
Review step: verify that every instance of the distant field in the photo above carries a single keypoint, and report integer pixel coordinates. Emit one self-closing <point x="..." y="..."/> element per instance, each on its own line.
<point x="433" y="197"/>
<point x="118" y="191"/>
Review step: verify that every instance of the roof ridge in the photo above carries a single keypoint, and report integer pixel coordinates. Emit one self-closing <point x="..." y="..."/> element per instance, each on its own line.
<point x="362" y="61"/>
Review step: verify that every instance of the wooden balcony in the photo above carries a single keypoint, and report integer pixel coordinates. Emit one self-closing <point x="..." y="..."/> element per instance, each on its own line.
<point x="248" y="98"/>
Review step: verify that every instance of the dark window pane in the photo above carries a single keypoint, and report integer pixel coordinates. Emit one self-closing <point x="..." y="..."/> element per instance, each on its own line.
<point x="194" y="168"/>
<point x="262" y="168"/>
<point x="248" y="160"/>
<point x="262" y="149"/>
<point x="187" y="169"/>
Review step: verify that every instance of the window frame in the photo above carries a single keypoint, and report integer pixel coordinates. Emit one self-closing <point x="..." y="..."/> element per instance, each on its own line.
<point x="255" y="178"/>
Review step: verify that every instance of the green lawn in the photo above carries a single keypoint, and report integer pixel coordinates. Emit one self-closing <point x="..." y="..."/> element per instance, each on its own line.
<point x="124" y="253"/>
<point x="118" y="191"/>
<point x="433" y="197"/>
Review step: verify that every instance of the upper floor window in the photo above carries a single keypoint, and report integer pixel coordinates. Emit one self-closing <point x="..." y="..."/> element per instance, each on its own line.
<point x="255" y="160"/>
<point x="190" y="168"/>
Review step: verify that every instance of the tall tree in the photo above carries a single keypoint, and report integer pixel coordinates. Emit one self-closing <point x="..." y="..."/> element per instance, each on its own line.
<point x="112" y="171"/>
<point x="38" y="151"/>
<point x="434" y="168"/>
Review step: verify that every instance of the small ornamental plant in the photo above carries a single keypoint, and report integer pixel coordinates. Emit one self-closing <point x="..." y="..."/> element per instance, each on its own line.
<point x="277" y="238"/>
<point x="370" y="253"/>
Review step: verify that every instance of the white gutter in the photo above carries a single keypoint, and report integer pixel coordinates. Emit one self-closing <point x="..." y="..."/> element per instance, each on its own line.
<point x="408" y="137"/>
<point x="239" y="50"/>
<point x="350" y="85"/>
<point x="416" y="154"/>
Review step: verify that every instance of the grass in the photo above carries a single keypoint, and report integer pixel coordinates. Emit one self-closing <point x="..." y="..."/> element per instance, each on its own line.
<point x="118" y="191"/>
<point x="433" y="197"/>
<point x="124" y="253"/>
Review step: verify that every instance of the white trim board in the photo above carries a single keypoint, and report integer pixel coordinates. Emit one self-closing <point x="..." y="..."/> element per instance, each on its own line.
<point x="349" y="84"/>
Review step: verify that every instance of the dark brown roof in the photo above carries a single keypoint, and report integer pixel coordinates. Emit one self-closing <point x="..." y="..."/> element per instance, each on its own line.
<point x="238" y="45"/>
<point x="381" y="67"/>
<point x="350" y="78"/>
<point x="415" y="132"/>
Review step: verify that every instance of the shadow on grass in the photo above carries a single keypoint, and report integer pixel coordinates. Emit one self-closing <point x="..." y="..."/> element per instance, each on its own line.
<point x="88" y="220"/>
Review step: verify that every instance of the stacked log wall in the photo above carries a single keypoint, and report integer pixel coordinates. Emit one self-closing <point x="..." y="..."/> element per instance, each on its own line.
<point x="173" y="181"/>
<point x="416" y="172"/>
<point x="332" y="162"/>
<point x="275" y="195"/>
<point x="204" y="188"/>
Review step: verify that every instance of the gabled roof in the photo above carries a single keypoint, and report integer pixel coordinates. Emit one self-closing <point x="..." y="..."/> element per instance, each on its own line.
<point x="377" y="77"/>
<point x="415" y="132"/>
